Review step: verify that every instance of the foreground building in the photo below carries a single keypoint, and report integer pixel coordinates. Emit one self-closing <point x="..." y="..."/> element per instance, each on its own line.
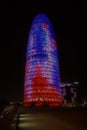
<point x="42" y="79"/>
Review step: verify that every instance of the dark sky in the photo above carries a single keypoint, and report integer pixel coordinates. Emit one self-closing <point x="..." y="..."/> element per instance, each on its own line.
<point x="69" y="22"/>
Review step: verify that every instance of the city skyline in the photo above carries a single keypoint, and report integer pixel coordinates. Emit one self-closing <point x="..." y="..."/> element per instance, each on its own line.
<point x="68" y="22"/>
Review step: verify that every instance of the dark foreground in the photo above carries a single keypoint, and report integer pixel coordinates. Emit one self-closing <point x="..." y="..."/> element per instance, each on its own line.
<point x="50" y="119"/>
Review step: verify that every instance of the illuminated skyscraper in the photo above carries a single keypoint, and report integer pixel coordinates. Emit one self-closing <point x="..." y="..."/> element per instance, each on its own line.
<point x="42" y="79"/>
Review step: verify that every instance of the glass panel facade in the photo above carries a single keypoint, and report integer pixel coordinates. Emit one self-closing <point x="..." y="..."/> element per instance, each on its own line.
<point x="42" y="77"/>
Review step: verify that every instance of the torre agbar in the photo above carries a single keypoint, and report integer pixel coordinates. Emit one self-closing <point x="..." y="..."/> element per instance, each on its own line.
<point x="42" y="77"/>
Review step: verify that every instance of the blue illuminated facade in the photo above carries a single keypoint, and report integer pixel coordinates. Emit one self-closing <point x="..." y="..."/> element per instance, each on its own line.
<point x="42" y="76"/>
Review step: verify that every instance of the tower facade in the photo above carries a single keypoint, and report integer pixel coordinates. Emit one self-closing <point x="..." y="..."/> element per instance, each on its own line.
<point x="42" y="78"/>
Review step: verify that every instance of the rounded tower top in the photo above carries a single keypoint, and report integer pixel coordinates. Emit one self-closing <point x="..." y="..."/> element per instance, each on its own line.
<point x="42" y="19"/>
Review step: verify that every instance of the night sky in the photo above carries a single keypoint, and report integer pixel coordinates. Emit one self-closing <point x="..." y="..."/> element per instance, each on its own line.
<point x="69" y="22"/>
